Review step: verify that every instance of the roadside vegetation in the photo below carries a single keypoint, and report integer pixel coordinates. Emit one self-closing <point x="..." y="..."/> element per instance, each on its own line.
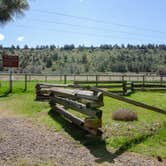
<point x="77" y="60"/>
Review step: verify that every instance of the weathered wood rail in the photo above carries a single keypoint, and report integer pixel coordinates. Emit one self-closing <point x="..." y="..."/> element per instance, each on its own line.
<point x="78" y="121"/>
<point x="27" y="78"/>
<point x="125" y="87"/>
<point x="43" y="90"/>
<point x="121" y="87"/>
<point x="84" y="99"/>
<point x="149" y="86"/>
<point x="87" y="102"/>
<point x="133" y="102"/>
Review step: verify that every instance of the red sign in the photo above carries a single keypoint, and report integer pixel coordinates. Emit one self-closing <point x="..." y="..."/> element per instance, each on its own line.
<point x="10" y="61"/>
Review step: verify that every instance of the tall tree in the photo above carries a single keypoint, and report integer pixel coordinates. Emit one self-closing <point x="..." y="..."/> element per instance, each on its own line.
<point x="11" y="8"/>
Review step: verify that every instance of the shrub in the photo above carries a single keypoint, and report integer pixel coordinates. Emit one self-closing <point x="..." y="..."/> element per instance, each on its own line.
<point x="124" y="115"/>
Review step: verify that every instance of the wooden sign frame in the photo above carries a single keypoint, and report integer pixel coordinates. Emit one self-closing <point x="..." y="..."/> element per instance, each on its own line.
<point x="10" y="61"/>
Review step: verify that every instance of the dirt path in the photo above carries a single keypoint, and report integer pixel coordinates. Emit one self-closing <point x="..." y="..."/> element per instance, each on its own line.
<point x="24" y="143"/>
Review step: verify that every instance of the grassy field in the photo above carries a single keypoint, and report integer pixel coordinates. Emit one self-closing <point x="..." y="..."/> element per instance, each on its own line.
<point x="146" y="136"/>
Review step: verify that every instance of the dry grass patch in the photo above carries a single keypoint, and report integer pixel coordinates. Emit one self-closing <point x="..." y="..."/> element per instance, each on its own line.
<point x="124" y="115"/>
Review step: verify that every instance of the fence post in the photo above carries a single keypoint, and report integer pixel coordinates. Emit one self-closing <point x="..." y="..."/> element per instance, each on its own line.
<point x="74" y="77"/>
<point x="132" y="86"/>
<point x="143" y="81"/>
<point x="25" y="89"/>
<point x="96" y="80"/>
<point x="10" y="82"/>
<point x="161" y="80"/>
<point x="123" y="78"/>
<point x="65" y="79"/>
<point x="124" y="87"/>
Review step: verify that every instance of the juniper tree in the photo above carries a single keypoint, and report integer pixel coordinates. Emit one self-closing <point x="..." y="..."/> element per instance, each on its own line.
<point x="12" y="8"/>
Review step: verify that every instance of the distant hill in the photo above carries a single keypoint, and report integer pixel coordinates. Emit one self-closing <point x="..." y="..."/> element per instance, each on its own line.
<point x="106" y="58"/>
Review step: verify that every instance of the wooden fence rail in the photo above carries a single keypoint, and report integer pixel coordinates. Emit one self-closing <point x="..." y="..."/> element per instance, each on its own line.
<point x="126" y="100"/>
<point x="84" y="101"/>
<point x="79" y="79"/>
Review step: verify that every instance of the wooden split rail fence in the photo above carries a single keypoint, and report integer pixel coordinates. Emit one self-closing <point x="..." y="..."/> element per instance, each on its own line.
<point x="125" y="87"/>
<point x="120" y="87"/>
<point x="64" y="97"/>
<point x="149" y="86"/>
<point x="130" y="101"/>
<point x="83" y="99"/>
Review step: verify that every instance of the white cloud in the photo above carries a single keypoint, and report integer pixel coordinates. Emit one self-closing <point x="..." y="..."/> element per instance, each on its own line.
<point x="2" y="36"/>
<point x="20" y="38"/>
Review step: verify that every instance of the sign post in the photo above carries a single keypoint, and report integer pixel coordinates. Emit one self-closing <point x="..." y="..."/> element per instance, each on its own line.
<point x="10" y="62"/>
<point x="10" y="82"/>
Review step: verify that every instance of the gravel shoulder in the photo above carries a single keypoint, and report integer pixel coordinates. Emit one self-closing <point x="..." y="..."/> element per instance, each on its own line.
<point x="23" y="142"/>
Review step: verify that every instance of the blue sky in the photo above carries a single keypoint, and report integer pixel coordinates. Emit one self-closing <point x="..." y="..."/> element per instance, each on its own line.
<point x="88" y="22"/>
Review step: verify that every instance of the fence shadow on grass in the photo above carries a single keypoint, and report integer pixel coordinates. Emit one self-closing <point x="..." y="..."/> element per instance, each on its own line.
<point x="96" y="146"/>
<point x="5" y="94"/>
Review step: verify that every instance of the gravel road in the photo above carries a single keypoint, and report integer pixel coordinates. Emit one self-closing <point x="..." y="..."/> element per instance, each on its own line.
<point x="22" y="142"/>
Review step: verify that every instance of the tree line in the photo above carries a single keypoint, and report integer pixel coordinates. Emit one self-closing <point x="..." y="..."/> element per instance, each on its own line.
<point x="106" y="58"/>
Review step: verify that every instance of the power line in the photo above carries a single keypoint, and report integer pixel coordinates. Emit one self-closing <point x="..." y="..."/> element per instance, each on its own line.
<point x="79" y="33"/>
<point x="91" y="27"/>
<point x="97" y="21"/>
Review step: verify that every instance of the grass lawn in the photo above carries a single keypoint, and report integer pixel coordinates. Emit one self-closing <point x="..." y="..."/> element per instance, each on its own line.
<point x="146" y="136"/>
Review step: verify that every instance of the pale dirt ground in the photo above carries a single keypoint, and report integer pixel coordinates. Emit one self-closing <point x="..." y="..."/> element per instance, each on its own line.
<point x="25" y="143"/>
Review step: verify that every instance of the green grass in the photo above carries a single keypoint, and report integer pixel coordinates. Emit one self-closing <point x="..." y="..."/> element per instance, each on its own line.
<point x="145" y="136"/>
<point x="154" y="145"/>
<point x="118" y="134"/>
<point x="19" y="86"/>
<point x="25" y="104"/>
